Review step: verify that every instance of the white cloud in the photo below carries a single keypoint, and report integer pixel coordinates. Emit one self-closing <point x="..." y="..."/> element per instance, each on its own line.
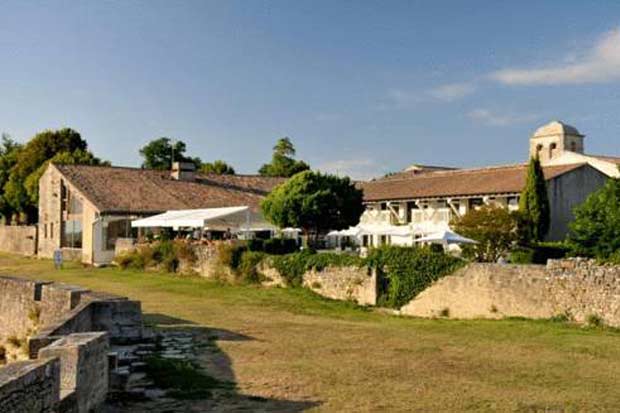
<point x="359" y="169"/>
<point x="489" y="117"/>
<point x="452" y="91"/>
<point x="399" y="99"/>
<point x="598" y="65"/>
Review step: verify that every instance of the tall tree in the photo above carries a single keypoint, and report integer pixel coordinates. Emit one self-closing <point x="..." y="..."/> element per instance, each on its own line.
<point x="315" y="203"/>
<point x="534" y="202"/>
<point x="9" y="150"/>
<point x="21" y="190"/>
<point x="595" y="232"/>
<point x="217" y="167"/>
<point x="161" y="152"/>
<point x="282" y="162"/>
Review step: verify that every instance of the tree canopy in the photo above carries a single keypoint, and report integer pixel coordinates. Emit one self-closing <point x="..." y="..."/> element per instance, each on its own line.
<point x="158" y="154"/>
<point x="218" y="167"/>
<point x="283" y="163"/>
<point x="534" y="202"/>
<point x="495" y="229"/>
<point x="314" y="202"/>
<point x="23" y="165"/>
<point x="595" y="232"/>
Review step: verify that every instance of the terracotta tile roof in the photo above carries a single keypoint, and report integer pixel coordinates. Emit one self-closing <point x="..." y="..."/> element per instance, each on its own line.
<point x="118" y="189"/>
<point x="462" y="182"/>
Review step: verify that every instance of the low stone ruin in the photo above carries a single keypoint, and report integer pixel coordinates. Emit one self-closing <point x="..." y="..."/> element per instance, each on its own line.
<point x="59" y="344"/>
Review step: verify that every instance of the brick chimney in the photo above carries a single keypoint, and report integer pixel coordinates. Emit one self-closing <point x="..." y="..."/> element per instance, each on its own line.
<point x="183" y="171"/>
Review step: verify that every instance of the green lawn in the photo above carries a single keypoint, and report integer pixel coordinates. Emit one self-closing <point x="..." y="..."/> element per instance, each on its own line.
<point x="288" y="350"/>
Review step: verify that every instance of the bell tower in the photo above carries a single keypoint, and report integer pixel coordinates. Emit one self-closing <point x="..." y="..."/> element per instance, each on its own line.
<point x="553" y="139"/>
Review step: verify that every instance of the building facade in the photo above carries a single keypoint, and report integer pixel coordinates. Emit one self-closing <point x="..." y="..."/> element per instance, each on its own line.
<point x="84" y="210"/>
<point x="428" y="201"/>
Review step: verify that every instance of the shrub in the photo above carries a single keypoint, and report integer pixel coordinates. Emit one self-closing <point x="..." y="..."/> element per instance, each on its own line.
<point x="248" y="266"/>
<point x="256" y="244"/>
<point x="594" y="320"/>
<point x="279" y="246"/>
<point x="182" y="379"/>
<point x="495" y="229"/>
<point x="539" y="253"/>
<point x="405" y="271"/>
<point x="184" y="251"/>
<point x="229" y="255"/>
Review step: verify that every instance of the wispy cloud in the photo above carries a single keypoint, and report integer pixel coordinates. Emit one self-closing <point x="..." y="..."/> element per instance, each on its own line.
<point x="399" y="99"/>
<point x="600" y="64"/>
<point x="358" y="168"/>
<point x="452" y="91"/>
<point x="492" y="118"/>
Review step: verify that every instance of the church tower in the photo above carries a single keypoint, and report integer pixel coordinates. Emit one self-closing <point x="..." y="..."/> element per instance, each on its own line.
<point x="553" y="139"/>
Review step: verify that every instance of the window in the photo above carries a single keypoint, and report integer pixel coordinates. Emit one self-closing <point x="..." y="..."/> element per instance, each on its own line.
<point x="75" y="205"/>
<point x="383" y="206"/>
<point x="72" y="237"/>
<point x="45" y="231"/>
<point x="51" y="230"/>
<point x="573" y="146"/>
<point x="118" y="229"/>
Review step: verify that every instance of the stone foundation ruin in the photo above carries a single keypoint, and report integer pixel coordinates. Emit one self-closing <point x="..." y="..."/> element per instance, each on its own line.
<point x="55" y="345"/>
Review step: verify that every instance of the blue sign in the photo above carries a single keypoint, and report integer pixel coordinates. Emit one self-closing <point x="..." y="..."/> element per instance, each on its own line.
<point x="58" y="259"/>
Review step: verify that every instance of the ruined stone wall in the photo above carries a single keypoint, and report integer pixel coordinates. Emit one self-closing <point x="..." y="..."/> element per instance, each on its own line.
<point x="344" y="283"/>
<point x="18" y="239"/>
<point x="69" y="332"/>
<point x="575" y="288"/>
<point x="30" y="386"/>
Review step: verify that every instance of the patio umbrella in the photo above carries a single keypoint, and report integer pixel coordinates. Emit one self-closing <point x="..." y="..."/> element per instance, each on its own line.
<point x="446" y="237"/>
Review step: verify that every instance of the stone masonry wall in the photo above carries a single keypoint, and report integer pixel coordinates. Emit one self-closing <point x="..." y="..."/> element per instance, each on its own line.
<point x="576" y="288"/>
<point x="30" y="386"/>
<point x="18" y="239"/>
<point x="344" y="283"/>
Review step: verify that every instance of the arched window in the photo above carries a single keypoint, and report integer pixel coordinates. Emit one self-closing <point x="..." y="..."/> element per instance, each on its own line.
<point x="552" y="149"/>
<point x="539" y="148"/>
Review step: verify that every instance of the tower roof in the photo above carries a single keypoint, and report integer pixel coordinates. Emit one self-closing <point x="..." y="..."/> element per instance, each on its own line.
<point x="556" y="127"/>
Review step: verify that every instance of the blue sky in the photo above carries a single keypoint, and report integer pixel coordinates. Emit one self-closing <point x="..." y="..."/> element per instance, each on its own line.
<point x="362" y="88"/>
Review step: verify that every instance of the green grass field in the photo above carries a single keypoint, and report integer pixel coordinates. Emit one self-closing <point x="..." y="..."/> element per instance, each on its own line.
<point x="289" y="350"/>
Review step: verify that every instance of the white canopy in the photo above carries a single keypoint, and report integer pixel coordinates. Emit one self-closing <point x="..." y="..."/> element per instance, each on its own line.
<point x="195" y="218"/>
<point x="446" y="237"/>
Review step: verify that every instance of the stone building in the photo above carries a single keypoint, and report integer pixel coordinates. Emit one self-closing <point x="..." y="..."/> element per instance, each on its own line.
<point x="84" y="210"/>
<point x="428" y="200"/>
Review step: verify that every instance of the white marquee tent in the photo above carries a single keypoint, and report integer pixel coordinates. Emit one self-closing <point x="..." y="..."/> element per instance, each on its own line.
<point x="236" y="218"/>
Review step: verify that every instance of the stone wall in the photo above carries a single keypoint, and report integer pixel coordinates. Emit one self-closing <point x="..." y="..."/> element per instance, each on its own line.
<point x="83" y="366"/>
<point x="344" y="283"/>
<point x="30" y="386"/>
<point x="575" y="288"/>
<point x="70" y="326"/>
<point x="18" y="239"/>
<point x="339" y="283"/>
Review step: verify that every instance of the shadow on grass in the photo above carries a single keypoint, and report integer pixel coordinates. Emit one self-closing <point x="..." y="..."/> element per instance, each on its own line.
<point x="216" y="365"/>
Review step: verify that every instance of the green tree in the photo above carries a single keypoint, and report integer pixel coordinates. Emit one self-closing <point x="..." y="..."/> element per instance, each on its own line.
<point x="534" y="202"/>
<point x="217" y="167"/>
<point x="495" y="229"/>
<point x="315" y="203"/>
<point x="9" y="150"/>
<point x="21" y="190"/>
<point x="159" y="153"/>
<point x="282" y="162"/>
<point x="595" y="232"/>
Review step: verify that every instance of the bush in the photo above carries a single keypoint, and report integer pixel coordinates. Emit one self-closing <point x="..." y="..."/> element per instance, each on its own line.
<point x="495" y="229"/>
<point x="248" y="266"/>
<point x="406" y="271"/>
<point x="256" y="244"/>
<point x="229" y="255"/>
<point x="273" y="246"/>
<point x="539" y="253"/>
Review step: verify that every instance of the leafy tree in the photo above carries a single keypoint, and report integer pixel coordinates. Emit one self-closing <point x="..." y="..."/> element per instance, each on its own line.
<point x="534" y="202"/>
<point x="9" y="150"/>
<point x="595" y="232"/>
<point x="21" y="192"/>
<point x="315" y="203"/>
<point x="158" y="154"/>
<point x="495" y="229"/>
<point x="218" y="167"/>
<point x="282" y="162"/>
